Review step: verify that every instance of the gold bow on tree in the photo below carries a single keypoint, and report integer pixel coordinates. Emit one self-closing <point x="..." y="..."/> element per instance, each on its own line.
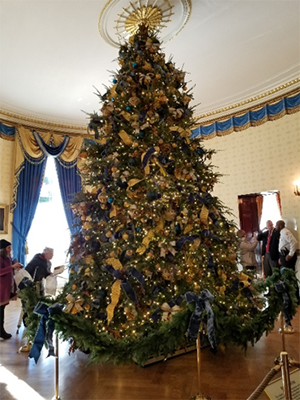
<point x="169" y="311"/>
<point x="74" y="306"/>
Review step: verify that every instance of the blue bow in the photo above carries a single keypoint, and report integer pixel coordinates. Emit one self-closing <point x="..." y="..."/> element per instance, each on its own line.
<point x="280" y="287"/>
<point x="117" y="274"/>
<point x="45" y="329"/>
<point x="202" y="303"/>
<point x="147" y="156"/>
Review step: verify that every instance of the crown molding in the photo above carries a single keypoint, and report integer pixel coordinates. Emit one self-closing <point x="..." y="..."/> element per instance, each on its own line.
<point x="252" y="103"/>
<point x="11" y="118"/>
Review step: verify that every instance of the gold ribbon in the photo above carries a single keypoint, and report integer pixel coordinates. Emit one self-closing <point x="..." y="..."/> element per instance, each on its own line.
<point x="204" y="215"/>
<point x="74" y="306"/>
<point x="150" y="236"/>
<point x="129" y="117"/>
<point x="115" y="296"/>
<point x="146" y="241"/>
<point x="113" y="212"/>
<point x="115" y="263"/>
<point x="188" y="228"/>
<point x="125" y="137"/>
<point x="113" y="91"/>
<point x="162" y="170"/>
<point x="183" y="132"/>
<point x="131" y="183"/>
<point x="245" y="280"/>
<point x="115" y="290"/>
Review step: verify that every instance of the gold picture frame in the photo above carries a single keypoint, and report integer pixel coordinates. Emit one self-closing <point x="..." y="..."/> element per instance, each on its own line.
<point x="3" y="218"/>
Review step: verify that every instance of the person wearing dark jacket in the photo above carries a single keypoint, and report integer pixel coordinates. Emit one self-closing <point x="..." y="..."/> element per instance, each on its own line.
<point x="40" y="267"/>
<point x="270" y="240"/>
<point x="7" y="284"/>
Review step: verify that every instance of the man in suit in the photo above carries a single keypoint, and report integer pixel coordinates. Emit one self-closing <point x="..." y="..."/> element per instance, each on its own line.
<point x="270" y="241"/>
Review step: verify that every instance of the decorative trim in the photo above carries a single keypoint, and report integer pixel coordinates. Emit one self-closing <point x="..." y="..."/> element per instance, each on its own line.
<point x="251" y="117"/>
<point x="226" y="111"/>
<point x="12" y="119"/>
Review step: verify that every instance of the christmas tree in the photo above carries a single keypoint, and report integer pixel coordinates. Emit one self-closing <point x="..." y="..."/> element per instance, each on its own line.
<point x="155" y="260"/>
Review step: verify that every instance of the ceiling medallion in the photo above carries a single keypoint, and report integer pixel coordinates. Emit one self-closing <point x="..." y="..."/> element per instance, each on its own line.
<point x="120" y="19"/>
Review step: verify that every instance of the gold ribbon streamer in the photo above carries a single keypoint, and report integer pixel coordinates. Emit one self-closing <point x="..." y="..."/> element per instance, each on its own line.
<point x="131" y="183"/>
<point x="204" y="215"/>
<point x="115" y="263"/>
<point x="125" y="137"/>
<point x="113" y="212"/>
<point x="162" y="170"/>
<point x="113" y="91"/>
<point x="115" y="290"/>
<point x="146" y="241"/>
<point x="115" y="296"/>
<point x="188" y="228"/>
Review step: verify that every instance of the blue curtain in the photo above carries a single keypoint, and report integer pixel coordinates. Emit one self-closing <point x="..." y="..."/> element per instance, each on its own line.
<point x="29" y="186"/>
<point x="7" y="132"/>
<point x="30" y="183"/>
<point x="69" y="184"/>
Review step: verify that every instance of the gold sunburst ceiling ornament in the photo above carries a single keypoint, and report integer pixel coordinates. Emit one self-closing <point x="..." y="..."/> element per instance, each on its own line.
<point x="120" y="19"/>
<point x="149" y="15"/>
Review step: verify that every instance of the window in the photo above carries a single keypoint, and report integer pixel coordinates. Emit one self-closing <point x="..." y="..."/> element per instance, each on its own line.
<point x="49" y="227"/>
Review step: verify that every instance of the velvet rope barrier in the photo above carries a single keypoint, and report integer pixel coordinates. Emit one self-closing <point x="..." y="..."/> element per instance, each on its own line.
<point x="264" y="383"/>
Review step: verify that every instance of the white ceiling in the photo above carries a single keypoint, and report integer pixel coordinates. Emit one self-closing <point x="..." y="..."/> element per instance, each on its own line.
<point x="52" y="55"/>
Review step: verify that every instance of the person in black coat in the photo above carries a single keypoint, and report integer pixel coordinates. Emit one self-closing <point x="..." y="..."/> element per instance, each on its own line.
<point x="40" y="267"/>
<point x="270" y="240"/>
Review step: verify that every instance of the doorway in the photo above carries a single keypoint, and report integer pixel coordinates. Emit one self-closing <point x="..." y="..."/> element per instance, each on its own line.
<point x="257" y="208"/>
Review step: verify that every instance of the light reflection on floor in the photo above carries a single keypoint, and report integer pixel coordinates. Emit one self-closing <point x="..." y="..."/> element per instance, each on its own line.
<point x="13" y="388"/>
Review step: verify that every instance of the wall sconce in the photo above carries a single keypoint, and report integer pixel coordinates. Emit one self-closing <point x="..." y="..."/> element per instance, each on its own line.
<point x="297" y="187"/>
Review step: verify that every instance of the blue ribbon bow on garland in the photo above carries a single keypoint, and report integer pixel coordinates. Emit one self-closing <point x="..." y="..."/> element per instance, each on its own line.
<point x="202" y="303"/>
<point x="45" y="329"/>
<point x="281" y="287"/>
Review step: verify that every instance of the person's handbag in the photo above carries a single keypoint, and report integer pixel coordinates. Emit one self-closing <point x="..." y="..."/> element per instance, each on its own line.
<point x="51" y="285"/>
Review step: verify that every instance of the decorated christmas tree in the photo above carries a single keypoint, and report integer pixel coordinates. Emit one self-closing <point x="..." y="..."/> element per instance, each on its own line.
<point x="155" y="259"/>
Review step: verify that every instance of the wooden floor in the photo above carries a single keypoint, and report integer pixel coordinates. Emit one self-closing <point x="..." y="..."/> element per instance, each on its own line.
<point x="233" y="375"/>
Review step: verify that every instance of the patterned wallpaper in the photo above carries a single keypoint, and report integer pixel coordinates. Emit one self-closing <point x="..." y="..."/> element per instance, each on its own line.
<point x="260" y="159"/>
<point x="6" y="178"/>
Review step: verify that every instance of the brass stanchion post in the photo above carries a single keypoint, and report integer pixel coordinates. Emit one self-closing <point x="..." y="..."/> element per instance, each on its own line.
<point x="199" y="396"/>
<point x="56" y="396"/>
<point x="285" y="375"/>
<point x="198" y="362"/>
